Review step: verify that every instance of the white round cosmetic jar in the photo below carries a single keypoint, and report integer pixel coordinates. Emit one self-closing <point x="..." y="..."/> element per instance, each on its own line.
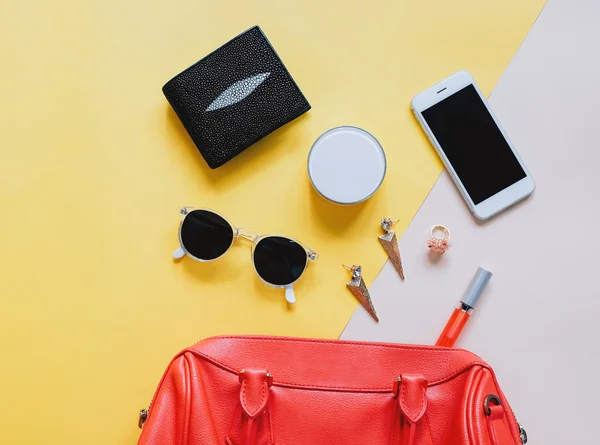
<point x="346" y="165"/>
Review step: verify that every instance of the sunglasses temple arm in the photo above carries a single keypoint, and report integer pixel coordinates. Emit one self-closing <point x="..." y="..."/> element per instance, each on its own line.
<point x="179" y="253"/>
<point x="290" y="296"/>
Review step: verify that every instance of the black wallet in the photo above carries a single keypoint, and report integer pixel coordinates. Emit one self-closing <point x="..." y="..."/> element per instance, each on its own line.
<point x="235" y="96"/>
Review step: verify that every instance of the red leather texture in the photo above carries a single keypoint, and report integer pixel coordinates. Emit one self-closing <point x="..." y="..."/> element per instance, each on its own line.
<point x="412" y="397"/>
<point x="287" y="391"/>
<point x="499" y="429"/>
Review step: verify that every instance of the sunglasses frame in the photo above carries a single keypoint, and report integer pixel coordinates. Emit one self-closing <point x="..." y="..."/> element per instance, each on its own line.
<point x="248" y="235"/>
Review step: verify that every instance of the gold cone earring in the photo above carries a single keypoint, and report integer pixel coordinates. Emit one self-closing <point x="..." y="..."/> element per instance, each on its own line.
<point x="390" y="244"/>
<point x="360" y="291"/>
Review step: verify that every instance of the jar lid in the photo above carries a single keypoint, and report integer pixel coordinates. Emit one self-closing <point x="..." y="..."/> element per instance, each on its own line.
<point x="346" y="165"/>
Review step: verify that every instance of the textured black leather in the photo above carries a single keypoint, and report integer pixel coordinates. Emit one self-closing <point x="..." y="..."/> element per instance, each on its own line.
<point x="235" y="96"/>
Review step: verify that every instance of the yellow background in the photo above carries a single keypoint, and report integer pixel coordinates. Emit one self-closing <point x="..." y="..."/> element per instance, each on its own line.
<point x="94" y="166"/>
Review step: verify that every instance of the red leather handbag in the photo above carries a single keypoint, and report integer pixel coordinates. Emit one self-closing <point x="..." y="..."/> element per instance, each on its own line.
<point x="289" y="391"/>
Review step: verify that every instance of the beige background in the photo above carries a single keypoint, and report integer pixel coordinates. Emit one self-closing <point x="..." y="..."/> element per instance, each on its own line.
<point x="537" y="321"/>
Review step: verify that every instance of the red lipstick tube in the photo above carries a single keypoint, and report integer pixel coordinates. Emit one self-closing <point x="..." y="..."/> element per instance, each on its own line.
<point x="464" y="309"/>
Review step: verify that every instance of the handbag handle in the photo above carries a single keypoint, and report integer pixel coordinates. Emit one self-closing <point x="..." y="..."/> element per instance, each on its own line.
<point x="254" y="395"/>
<point x="410" y="391"/>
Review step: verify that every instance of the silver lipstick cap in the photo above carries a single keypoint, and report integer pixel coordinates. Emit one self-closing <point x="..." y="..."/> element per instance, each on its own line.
<point x="478" y="283"/>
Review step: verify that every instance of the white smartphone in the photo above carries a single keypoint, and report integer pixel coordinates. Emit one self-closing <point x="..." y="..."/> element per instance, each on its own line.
<point x="473" y="146"/>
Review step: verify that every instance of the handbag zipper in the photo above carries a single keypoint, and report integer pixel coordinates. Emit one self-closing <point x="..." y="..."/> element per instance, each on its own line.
<point x="522" y="434"/>
<point x="143" y="416"/>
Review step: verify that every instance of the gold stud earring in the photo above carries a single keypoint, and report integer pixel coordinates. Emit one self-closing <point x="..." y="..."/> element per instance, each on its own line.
<point x="360" y="291"/>
<point x="390" y="244"/>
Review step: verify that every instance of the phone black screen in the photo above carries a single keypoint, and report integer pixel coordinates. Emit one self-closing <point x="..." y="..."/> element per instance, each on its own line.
<point x="473" y="144"/>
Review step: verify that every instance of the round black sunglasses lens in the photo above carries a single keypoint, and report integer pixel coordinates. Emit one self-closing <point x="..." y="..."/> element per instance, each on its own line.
<point x="206" y="235"/>
<point x="279" y="261"/>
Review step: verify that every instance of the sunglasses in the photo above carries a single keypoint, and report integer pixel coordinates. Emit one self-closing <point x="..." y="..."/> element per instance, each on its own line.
<point x="279" y="261"/>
